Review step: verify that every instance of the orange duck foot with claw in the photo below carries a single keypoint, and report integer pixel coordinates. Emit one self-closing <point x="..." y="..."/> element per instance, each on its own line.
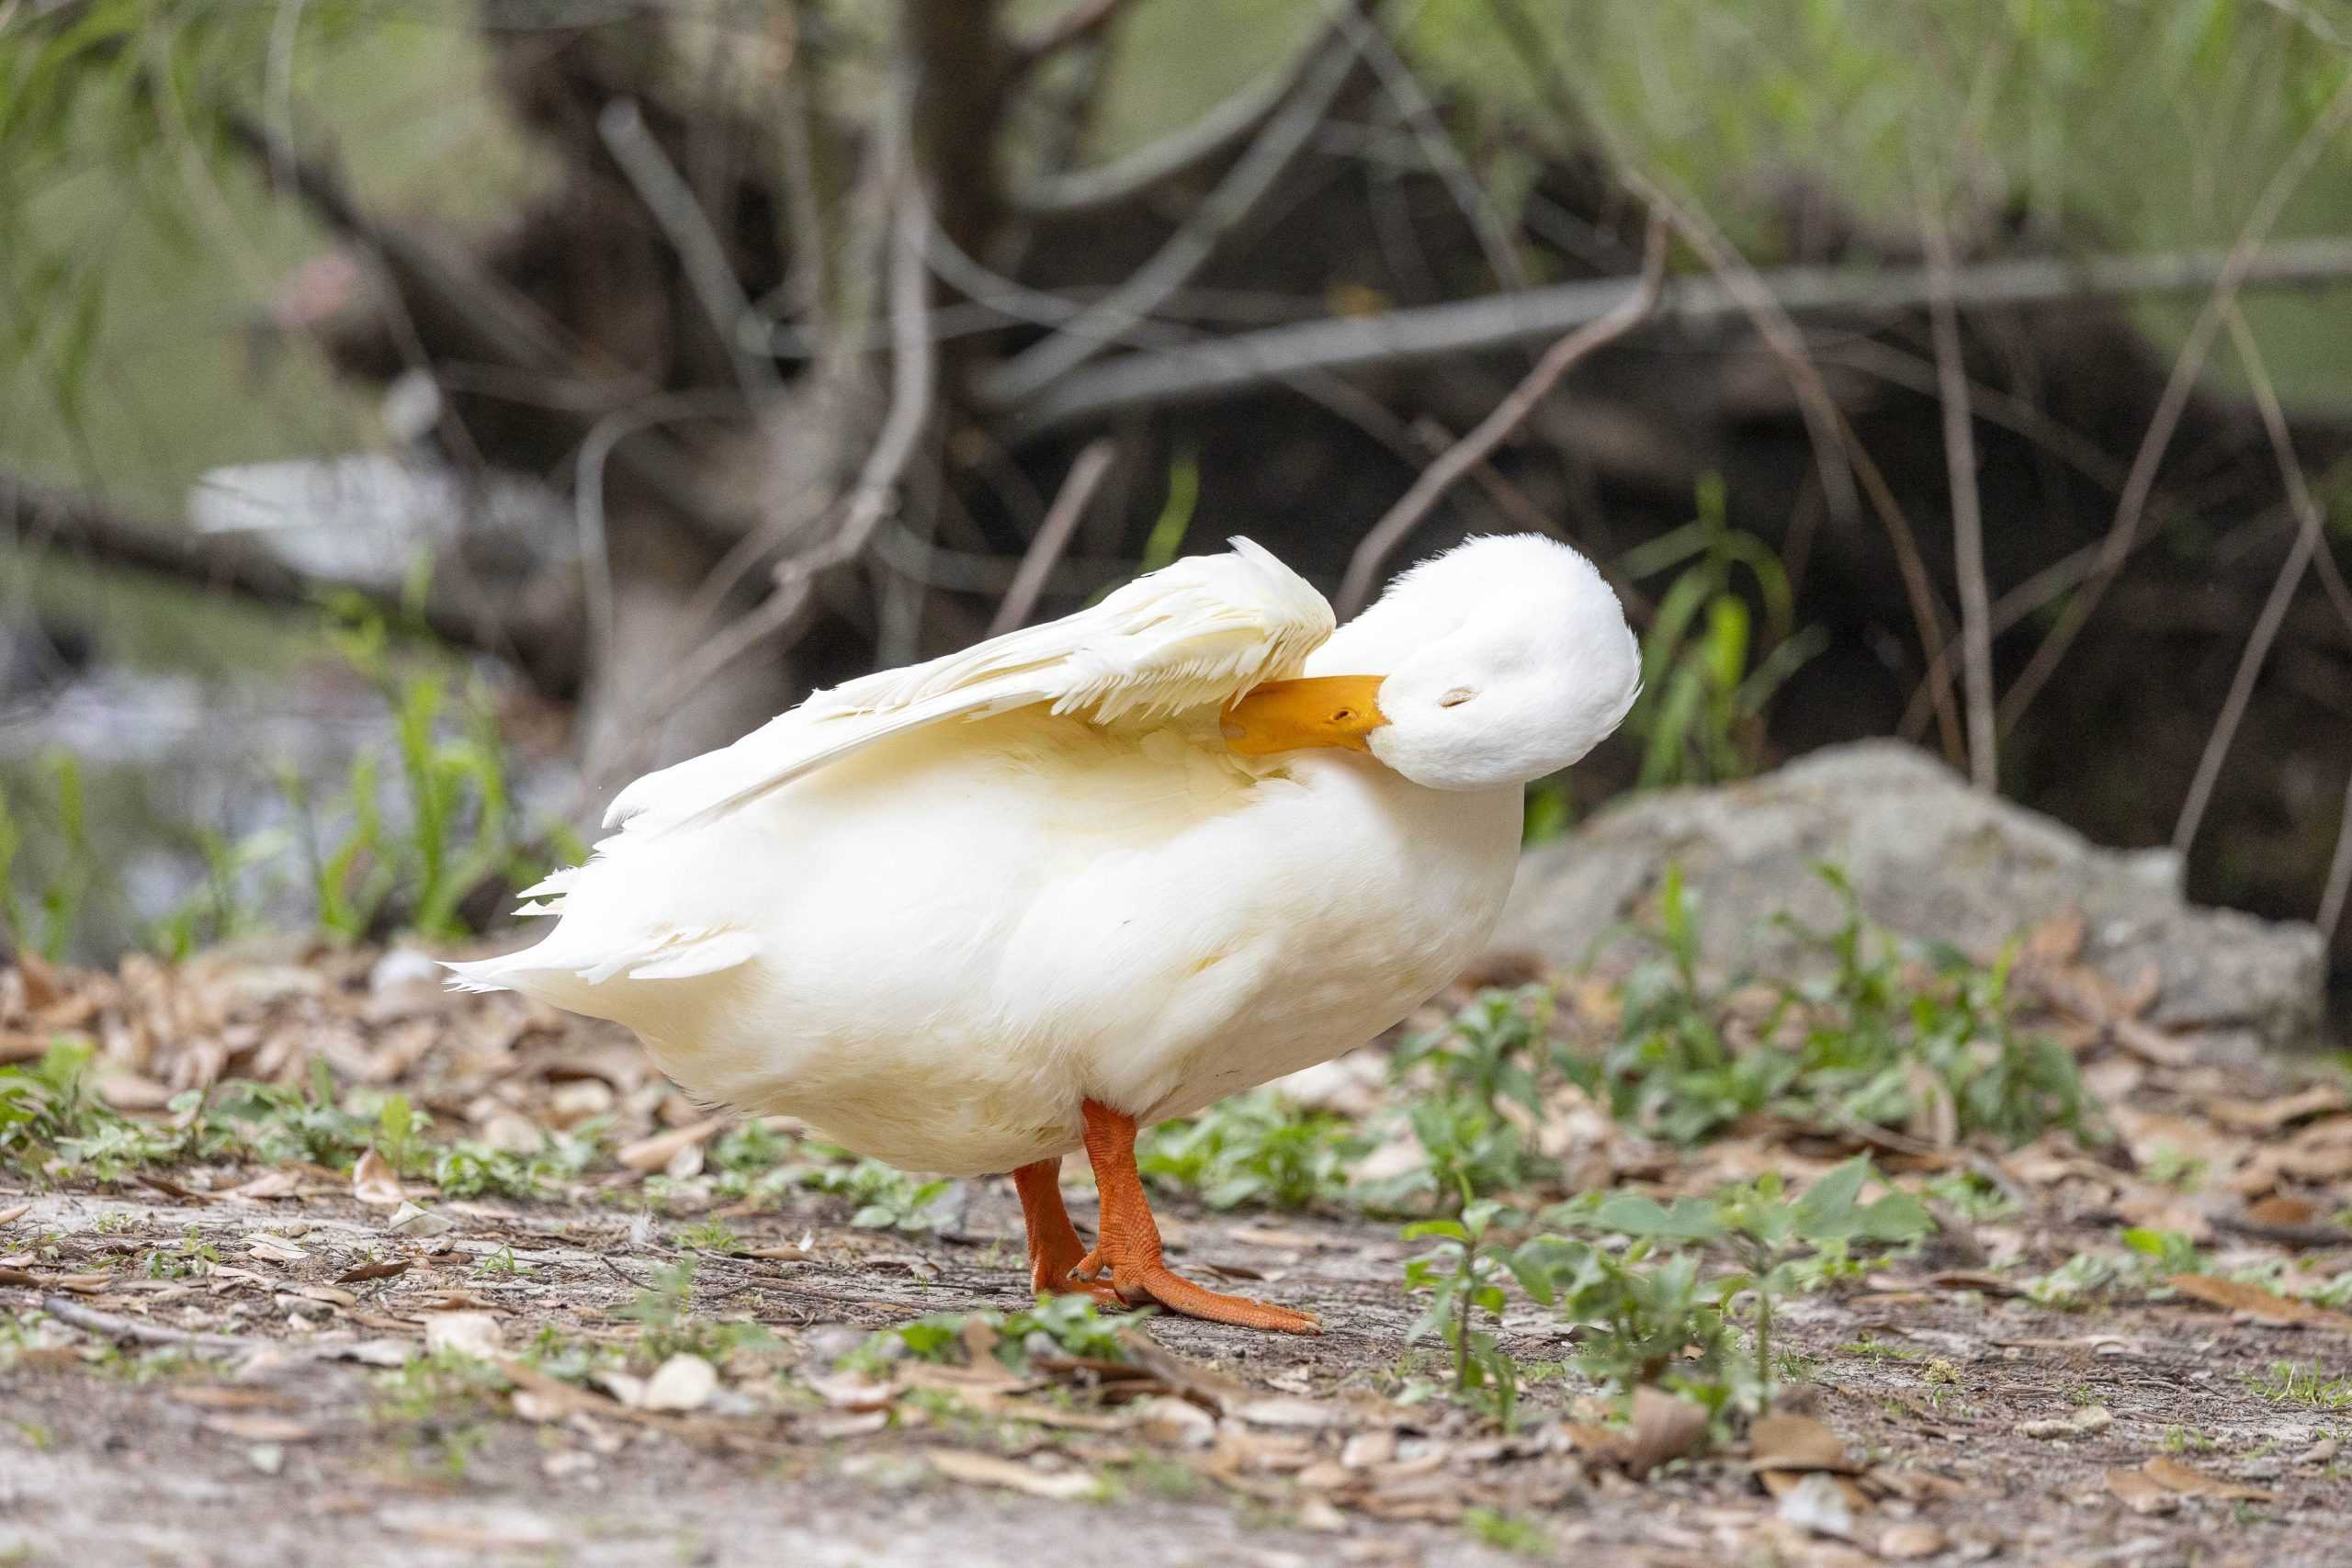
<point x="1128" y="1248"/>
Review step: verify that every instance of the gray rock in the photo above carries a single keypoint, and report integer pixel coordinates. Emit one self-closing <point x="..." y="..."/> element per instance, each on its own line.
<point x="1928" y="857"/>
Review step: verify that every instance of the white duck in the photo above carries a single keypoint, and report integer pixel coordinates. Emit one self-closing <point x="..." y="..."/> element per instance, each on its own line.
<point x="972" y="914"/>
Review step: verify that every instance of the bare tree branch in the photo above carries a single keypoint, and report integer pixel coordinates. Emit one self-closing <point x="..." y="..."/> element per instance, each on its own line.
<point x="2173" y="401"/>
<point x="1234" y="198"/>
<point x="2309" y="540"/>
<point x="1088" y="191"/>
<point x="1967" y="516"/>
<point x="1443" y="157"/>
<point x="1835" y="450"/>
<point x="1086" y="476"/>
<point x="2339" y="875"/>
<point x="1219" y="366"/>
<point x="1085" y="19"/>
<point x="700" y="251"/>
<point x="538" y="627"/>
<point x="913" y="377"/>
<point x="1401" y="519"/>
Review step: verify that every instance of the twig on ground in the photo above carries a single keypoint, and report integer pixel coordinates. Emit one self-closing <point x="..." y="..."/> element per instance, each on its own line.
<point x="1967" y="518"/>
<point x="1086" y="476"/>
<point x="1234" y="198"/>
<point x="2309" y="540"/>
<point x="2173" y="401"/>
<point x="1364" y="566"/>
<point x="1219" y="366"/>
<point x="700" y="251"/>
<point x="65" y="1310"/>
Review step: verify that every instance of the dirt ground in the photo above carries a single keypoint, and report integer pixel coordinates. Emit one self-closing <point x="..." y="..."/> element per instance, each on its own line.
<point x="216" y="1362"/>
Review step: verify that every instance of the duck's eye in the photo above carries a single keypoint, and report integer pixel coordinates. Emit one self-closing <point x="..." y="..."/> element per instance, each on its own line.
<point x="1343" y="716"/>
<point x="1456" y="697"/>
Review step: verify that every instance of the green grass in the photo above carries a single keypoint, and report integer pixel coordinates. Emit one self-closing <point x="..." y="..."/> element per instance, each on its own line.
<point x="2306" y="1388"/>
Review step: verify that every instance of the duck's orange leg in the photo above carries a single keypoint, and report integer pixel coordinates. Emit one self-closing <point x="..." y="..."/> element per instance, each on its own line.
<point x="1128" y="1239"/>
<point x="1058" y="1259"/>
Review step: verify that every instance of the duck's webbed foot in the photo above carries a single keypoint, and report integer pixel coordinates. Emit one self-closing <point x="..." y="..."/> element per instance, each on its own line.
<point x="1059" y="1264"/>
<point x="1129" y="1246"/>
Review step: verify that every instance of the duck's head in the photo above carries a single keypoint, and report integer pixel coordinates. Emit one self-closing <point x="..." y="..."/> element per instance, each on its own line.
<point x="1502" y="661"/>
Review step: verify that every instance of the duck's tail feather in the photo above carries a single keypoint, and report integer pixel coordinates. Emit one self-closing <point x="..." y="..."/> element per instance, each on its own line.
<point x="548" y="970"/>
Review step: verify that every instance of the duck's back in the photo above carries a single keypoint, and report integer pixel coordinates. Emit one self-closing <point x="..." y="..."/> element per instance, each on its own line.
<point x="934" y="949"/>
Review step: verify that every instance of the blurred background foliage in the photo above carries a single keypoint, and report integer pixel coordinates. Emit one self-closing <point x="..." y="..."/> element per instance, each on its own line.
<point x="171" y="289"/>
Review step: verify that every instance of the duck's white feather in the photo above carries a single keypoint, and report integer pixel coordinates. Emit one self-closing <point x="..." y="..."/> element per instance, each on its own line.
<point x="1197" y="633"/>
<point x="932" y="940"/>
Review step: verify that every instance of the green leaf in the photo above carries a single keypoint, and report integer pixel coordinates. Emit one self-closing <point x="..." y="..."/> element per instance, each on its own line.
<point x="1827" y="1209"/>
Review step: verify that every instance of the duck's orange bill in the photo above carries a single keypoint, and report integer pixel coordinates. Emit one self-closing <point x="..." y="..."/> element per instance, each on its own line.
<point x="1315" y="710"/>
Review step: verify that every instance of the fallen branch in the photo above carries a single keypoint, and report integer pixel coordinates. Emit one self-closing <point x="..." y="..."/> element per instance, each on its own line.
<point x="544" y="639"/>
<point x="1402" y="518"/>
<point x="65" y="1310"/>
<point x="1220" y="366"/>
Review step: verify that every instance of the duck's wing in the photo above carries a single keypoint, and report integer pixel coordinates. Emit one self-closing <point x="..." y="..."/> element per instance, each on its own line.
<point x="1196" y="633"/>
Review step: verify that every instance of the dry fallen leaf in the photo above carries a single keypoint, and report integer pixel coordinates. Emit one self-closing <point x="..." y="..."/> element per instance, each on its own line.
<point x="277" y="1249"/>
<point x="387" y="1270"/>
<point x="992" y="1470"/>
<point x="11" y="1215"/>
<point x="1815" y="1504"/>
<point x="2284" y="1213"/>
<point x="682" y="1382"/>
<point x="2141" y="1491"/>
<point x="1278" y="1411"/>
<point x="1906" y="1543"/>
<point x="1797" y="1443"/>
<point x="1665" y="1426"/>
<point x="2269" y="1115"/>
<point x="2268" y="1306"/>
<point x="2175" y="1476"/>
<point x="2081" y="1424"/>
<point x="648" y="1154"/>
<point x="467" y="1333"/>
<point x="259" y="1428"/>
<point x="376" y="1183"/>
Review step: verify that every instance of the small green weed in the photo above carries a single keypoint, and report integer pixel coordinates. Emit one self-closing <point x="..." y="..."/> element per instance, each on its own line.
<point x="1895" y="1032"/>
<point x="1507" y="1532"/>
<point x="1465" y="1277"/>
<point x="47" y="925"/>
<point x="664" y="1313"/>
<point x="1254" y="1148"/>
<point x="1699" y="717"/>
<point x="709" y="1236"/>
<point x="1071" y="1323"/>
<point x="1650" y="1310"/>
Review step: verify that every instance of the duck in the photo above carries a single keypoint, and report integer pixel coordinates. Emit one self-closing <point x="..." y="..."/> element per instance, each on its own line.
<point x="977" y="914"/>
